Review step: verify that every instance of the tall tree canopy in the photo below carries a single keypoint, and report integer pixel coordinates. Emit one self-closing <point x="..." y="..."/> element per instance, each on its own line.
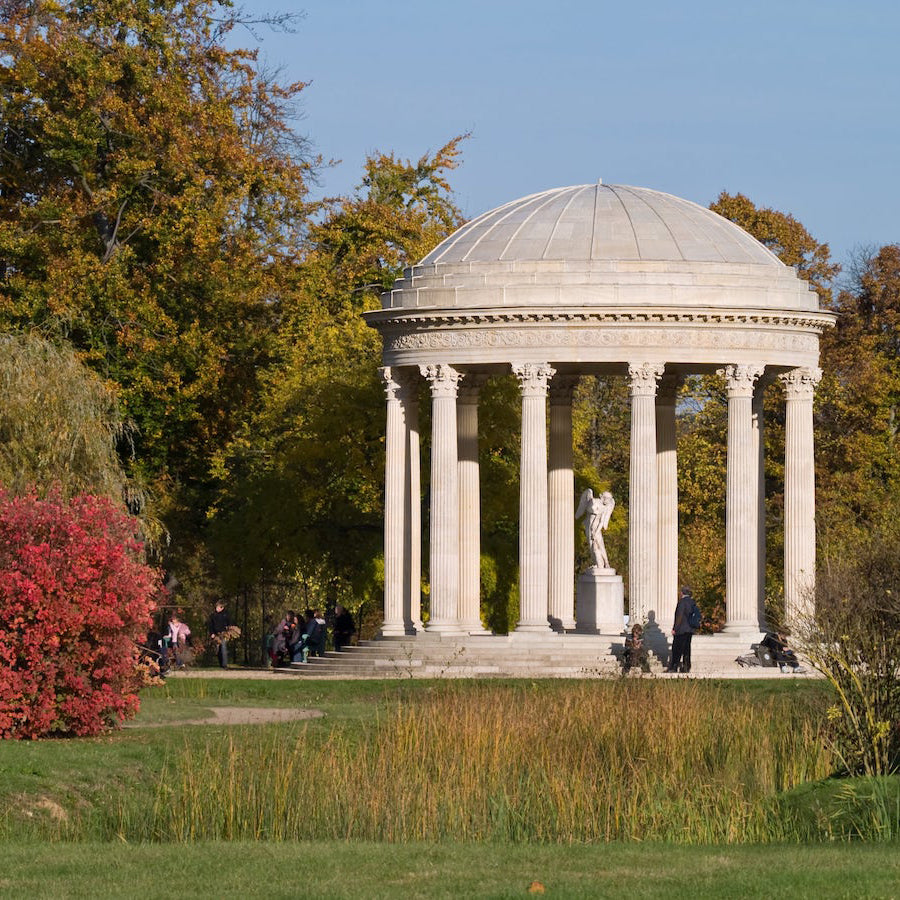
<point x="317" y="434"/>
<point x="152" y="201"/>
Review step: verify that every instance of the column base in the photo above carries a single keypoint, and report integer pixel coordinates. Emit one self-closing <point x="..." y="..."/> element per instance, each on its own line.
<point x="749" y="631"/>
<point x="600" y="602"/>
<point x="533" y="628"/>
<point x="393" y="630"/>
<point x="444" y="628"/>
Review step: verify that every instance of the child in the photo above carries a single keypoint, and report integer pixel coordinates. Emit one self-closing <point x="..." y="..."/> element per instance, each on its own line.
<point x="179" y="632"/>
<point x="635" y="652"/>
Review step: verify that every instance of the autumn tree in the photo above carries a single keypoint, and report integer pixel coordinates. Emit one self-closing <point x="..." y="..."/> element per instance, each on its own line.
<point x="703" y="425"/>
<point x="317" y="436"/>
<point x="858" y="464"/>
<point x="153" y="200"/>
<point x="75" y="599"/>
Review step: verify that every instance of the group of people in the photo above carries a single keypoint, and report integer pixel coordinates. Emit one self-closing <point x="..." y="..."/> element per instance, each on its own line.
<point x="772" y="650"/>
<point x="297" y="637"/>
<point x="688" y="619"/>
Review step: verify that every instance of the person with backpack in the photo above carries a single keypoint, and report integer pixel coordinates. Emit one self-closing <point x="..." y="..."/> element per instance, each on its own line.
<point x="688" y="619"/>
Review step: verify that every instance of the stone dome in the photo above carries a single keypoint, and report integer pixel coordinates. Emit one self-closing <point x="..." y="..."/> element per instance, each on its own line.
<point x="600" y="245"/>
<point x="600" y="222"/>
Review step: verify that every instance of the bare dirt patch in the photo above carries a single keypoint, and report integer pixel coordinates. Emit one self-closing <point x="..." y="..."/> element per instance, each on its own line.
<point x="239" y="715"/>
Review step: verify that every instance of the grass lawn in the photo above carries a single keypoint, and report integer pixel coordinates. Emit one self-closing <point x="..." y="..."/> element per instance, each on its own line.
<point x="338" y="870"/>
<point x="54" y="796"/>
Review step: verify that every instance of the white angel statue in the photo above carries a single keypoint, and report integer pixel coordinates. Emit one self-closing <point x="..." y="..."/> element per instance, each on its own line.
<point x="596" y="512"/>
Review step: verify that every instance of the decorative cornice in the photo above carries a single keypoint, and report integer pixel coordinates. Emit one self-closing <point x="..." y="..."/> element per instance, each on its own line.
<point x="739" y="380"/>
<point x="643" y="378"/>
<point x="392" y="320"/>
<point x="533" y="378"/>
<point x="800" y="384"/>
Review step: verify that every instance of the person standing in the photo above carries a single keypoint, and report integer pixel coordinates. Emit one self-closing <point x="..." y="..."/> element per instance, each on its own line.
<point x="219" y="623"/>
<point x="344" y="627"/>
<point x="179" y="632"/>
<point x="686" y="613"/>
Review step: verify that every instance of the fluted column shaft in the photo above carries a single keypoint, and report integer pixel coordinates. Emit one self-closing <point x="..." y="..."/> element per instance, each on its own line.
<point x="561" y="499"/>
<point x="412" y="602"/>
<point x="395" y="524"/>
<point x="469" y="505"/>
<point x="799" y="494"/>
<point x="667" y="487"/>
<point x="643" y="499"/>
<point x="533" y="534"/>
<point x="759" y="445"/>
<point x="444" y="550"/>
<point x="741" y="502"/>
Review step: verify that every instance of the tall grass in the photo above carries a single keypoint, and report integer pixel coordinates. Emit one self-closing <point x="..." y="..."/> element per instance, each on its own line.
<point x="639" y="760"/>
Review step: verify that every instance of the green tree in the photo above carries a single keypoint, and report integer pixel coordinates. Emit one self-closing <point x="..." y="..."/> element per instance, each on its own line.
<point x="153" y="201"/>
<point x="317" y="436"/>
<point x="59" y="423"/>
<point x="702" y="424"/>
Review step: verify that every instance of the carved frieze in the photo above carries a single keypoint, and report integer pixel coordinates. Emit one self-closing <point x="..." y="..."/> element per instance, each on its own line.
<point x="481" y="337"/>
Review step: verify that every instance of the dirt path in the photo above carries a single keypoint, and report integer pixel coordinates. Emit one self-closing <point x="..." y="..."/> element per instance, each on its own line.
<point x="238" y="715"/>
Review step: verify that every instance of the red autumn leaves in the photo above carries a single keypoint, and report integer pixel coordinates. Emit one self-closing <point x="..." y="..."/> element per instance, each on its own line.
<point x="75" y="597"/>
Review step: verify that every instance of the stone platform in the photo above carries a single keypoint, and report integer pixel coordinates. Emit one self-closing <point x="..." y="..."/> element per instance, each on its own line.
<point x="523" y="655"/>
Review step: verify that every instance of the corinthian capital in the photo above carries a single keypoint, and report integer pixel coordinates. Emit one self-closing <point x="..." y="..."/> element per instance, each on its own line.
<point x="800" y="384"/>
<point x="396" y="383"/>
<point x="533" y="378"/>
<point x="444" y="379"/>
<point x="643" y="378"/>
<point x="739" y="380"/>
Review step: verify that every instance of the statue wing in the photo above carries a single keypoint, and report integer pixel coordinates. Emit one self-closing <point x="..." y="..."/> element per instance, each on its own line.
<point x="609" y="504"/>
<point x="586" y="497"/>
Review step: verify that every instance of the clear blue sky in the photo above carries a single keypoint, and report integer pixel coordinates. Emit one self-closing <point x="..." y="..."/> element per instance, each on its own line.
<point x="795" y="103"/>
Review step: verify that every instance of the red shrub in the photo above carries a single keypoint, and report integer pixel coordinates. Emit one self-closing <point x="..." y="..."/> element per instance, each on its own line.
<point x="75" y="596"/>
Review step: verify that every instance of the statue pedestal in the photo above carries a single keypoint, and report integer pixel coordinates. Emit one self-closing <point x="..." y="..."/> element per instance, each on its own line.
<point x="600" y="602"/>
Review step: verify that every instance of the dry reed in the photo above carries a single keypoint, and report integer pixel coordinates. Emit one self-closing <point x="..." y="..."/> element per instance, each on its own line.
<point x="637" y="760"/>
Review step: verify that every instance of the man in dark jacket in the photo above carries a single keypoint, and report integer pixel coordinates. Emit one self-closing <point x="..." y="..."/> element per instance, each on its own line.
<point x="219" y="622"/>
<point x="344" y="627"/>
<point x="682" y="633"/>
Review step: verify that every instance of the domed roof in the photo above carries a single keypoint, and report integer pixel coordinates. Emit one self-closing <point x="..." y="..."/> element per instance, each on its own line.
<point x="594" y="277"/>
<point x="601" y="222"/>
<point x="600" y="245"/>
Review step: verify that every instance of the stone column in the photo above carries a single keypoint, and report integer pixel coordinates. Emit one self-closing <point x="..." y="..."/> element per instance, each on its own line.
<point x="561" y="498"/>
<point x="643" y="499"/>
<point x="533" y="535"/>
<point x="667" y="486"/>
<point x="741" y="503"/>
<point x="759" y="443"/>
<point x="469" y="505"/>
<point x="444" y="551"/>
<point x="799" y="494"/>
<point x="412" y="602"/>
<point x="395" y="505"/>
